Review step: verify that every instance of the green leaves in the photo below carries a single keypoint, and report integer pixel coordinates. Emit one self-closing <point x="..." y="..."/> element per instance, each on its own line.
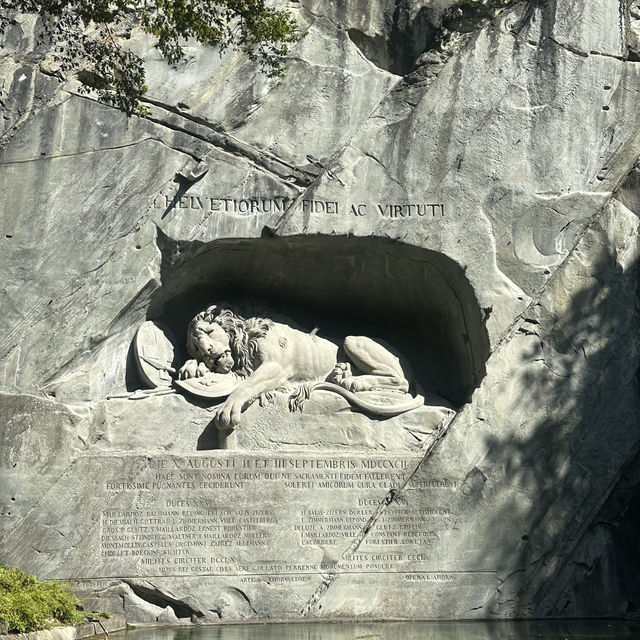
<point x="85" y="37"/>
<point x="118" y="75"/>
<point x="266" y="36"/>
<point x="27" y="604"/>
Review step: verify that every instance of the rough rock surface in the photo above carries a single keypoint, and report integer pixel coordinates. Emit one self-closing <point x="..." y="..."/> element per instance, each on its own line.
<point x="471" y="197"/>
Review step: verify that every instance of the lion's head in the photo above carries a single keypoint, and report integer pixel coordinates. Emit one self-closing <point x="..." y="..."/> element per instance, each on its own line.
<point x="219" y="329"/>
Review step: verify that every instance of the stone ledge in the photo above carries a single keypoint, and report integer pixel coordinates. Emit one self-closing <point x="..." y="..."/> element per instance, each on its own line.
<point x="74" y="632"/>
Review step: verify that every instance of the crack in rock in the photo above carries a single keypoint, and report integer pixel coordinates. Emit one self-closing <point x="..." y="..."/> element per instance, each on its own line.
<point x="205" y="131"/>
<point x="328" y="580"/>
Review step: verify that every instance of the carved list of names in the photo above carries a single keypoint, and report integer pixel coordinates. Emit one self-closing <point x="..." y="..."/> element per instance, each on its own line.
<point x="281" y="515"/>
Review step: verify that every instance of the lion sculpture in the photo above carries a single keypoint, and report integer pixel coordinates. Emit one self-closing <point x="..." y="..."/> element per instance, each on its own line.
<point x="262" y="356"/>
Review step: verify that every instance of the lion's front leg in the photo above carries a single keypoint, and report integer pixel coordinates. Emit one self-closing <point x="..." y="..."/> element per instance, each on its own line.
<point x="227" y="415"/>
<point x="268" y="376"/>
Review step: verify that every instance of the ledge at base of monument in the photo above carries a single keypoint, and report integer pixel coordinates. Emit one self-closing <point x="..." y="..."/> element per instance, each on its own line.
<point x="73" y="632"/>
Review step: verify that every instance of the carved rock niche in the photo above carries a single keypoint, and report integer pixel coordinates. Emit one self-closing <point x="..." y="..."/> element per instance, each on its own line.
<point x="417" y="301"/>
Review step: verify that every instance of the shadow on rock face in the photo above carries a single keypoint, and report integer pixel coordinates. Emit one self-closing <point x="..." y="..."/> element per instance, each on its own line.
<point x="562" y="471"/>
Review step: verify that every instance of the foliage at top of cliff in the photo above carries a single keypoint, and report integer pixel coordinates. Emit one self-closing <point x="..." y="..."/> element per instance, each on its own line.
<point x="86" y="36"/>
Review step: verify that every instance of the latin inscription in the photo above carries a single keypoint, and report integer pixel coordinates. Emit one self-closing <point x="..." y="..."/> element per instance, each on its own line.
<point x="404" y="527"/>
<point x="279" y="204"/>
<point x="215" y="515"/>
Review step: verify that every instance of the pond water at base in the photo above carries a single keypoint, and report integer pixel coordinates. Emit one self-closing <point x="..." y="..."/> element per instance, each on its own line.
<point x="504" y="630"/>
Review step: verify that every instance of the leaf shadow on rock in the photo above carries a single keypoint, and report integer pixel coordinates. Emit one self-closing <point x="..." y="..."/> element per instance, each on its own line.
<point x="564" y="442"/>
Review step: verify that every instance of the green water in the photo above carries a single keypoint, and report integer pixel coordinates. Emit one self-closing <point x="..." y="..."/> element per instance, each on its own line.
<point x="566" y="630"/>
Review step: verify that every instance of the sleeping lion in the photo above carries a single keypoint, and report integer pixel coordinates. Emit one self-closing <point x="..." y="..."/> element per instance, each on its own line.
<point x="267" y="355"/>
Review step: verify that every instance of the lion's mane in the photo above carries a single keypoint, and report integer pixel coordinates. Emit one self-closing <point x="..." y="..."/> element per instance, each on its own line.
<point x="243" y="333"/>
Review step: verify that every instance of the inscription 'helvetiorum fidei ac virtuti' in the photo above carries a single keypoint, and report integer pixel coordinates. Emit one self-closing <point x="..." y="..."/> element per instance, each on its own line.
<point x="279" y="204"/>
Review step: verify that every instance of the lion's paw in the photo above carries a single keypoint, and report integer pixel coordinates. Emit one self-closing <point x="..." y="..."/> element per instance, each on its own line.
<point x="193" y="369"/>
<point x="354" y="384"/>
<point x="227" y="415"/>
<point x="341" y="371"/>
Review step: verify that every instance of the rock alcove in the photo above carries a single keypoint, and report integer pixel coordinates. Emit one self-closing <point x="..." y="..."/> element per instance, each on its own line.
<point x="415" y="299"/>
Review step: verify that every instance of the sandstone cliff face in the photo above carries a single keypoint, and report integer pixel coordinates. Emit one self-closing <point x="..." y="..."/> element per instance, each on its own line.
<point x="464" y="187"/>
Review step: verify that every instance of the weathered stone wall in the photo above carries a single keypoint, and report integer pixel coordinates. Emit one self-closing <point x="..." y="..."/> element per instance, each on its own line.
<point x="472" y="198"/>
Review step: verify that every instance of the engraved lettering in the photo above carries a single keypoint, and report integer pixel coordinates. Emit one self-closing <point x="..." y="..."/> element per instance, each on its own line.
<point x="255" y="205"/>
